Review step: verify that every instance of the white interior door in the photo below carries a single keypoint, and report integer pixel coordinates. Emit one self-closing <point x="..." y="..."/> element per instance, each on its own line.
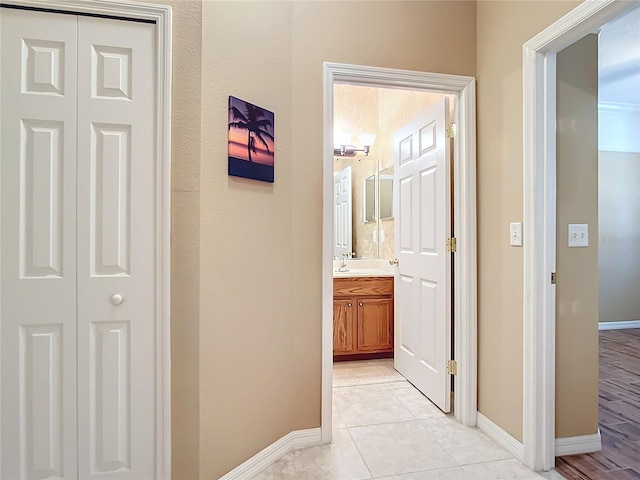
<point x="116" y="251"/>
<point x="38" y="249"/>
<point x="343" y="224"/>
<point x="77" y="180"/>
<point x="422" y="209"/>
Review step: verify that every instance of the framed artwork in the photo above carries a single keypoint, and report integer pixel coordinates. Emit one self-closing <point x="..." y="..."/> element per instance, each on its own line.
<point x="251" y="141"/>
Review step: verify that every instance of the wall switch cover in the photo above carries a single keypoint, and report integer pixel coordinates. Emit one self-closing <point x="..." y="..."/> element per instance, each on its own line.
<point x="578" y="235"/>
<point x="515" y="234"/>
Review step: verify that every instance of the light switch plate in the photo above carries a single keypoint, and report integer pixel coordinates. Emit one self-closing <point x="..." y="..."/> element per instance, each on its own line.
<point x="578" y="235"/>
<point x="515" y="234"/>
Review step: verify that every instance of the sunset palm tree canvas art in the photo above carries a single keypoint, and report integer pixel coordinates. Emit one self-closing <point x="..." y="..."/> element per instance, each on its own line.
<point x="251" y="141"/>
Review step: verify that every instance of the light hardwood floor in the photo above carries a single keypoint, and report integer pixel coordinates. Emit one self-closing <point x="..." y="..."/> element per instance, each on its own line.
<point x="619" y="413"/>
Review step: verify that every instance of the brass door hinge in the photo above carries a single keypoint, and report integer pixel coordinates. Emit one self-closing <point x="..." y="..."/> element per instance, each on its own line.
<point x="452" y="130"/>
<point x="554" y="278"/>
<point x="452" y="367"/>
<point x="452" y="245"/>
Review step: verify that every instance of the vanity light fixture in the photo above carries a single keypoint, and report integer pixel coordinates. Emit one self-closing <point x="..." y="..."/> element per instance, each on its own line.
<point x="346" y="149"/>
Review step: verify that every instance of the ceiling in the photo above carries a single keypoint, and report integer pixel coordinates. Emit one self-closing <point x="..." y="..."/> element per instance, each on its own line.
<point x="619" y="60"/>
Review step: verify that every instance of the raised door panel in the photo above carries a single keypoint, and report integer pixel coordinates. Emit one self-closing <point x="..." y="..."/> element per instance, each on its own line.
<point x="343" y="327"/>
<point x="38" y="256"/>
<point x="116" y="249"/>
<point x="375" y="327"/>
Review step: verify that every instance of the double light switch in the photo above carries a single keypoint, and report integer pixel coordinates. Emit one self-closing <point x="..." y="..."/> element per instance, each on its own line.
<point x="578" y="235"/>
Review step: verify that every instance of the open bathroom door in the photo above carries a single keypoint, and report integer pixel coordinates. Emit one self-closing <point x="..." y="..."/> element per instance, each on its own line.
<point x="422" y="212"/>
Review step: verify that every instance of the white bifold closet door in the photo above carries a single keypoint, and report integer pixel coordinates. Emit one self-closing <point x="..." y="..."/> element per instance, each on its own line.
<point x="77" y="247"/>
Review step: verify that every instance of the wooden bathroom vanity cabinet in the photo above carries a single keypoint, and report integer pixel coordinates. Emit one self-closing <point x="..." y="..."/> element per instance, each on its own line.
<point x="362" y="318"/>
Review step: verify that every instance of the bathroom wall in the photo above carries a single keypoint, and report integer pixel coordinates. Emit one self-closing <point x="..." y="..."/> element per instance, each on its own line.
<point x="577" y="268"/>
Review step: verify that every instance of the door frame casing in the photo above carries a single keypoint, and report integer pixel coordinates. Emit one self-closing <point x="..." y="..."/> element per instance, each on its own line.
<point x="464" y="204"/>
<point x="539" y="157"/>
<point x="161" y="15"/>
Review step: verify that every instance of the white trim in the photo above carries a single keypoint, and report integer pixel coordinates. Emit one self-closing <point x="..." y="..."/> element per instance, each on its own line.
<point x="161" y="15"/>
<point x="278" y="449"/>
<point x="625" y="324"/>
<point x="613" y="107"/>
<point x="117" y="8"/>
<point x="465" y="273"/>
<point x="501" y="437"/>
<point x="539" y="220"/>
<point x="578" y="445"/>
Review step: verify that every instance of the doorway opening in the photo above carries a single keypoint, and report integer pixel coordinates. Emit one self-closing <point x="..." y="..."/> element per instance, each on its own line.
<point x="463" y="202"/>
<point x="614" y="247"/>
<point x="539" y="76"/>
<point x="369" y="231"/>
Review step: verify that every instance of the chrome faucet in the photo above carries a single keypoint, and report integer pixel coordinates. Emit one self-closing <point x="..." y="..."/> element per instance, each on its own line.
<point x="343" y="264"/>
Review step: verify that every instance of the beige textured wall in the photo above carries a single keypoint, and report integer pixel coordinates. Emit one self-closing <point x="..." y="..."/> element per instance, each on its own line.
<point x="502" y="29"/>
<point x="185" y="237"/>
<point x="619" y="248"/>
<point x="430" y="36"/>
<point x="261" y="245"/>
<point x="577" y="268"/>
<point x="246" y="388"/>
<point x="246" y="255"/>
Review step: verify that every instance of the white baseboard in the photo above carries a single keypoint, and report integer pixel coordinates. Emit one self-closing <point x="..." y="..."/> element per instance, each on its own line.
<point x="619" y="325"/>
<point x="578" y="445"/>
<point x="501" y="437"/>
<point x="279" y="448"/>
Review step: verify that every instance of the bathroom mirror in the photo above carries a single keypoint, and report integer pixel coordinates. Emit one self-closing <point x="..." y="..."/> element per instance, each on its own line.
<point x="369" y="200"/>
<point x="369" y="213"/>
<point x="386" y="194"/>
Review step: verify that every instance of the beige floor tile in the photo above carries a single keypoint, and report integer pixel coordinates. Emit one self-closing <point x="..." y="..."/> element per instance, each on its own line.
<point x="399" y="448"/>
<point x="384" y="428"/>
<point x="501" y="470"/>
<point x="466" y="445"/>
<point x="453" y="473"/>
<point x="338" y="422"/>
<point x="417" y="403"/>
<point x="365" y="372"/>
<point x="338" y="461"/>
<point x="369" y="405"/>
<point x="395" y="385"/>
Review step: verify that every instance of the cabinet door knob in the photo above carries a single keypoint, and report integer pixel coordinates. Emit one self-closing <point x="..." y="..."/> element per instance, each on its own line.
<point x="349" y="304"/>
<point x="117" y="299"/>
<point x="360" y="303"/>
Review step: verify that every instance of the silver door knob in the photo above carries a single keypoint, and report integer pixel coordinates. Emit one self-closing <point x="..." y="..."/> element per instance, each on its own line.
<point x="117" y="299"/>
<point x="395" y="261"/>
